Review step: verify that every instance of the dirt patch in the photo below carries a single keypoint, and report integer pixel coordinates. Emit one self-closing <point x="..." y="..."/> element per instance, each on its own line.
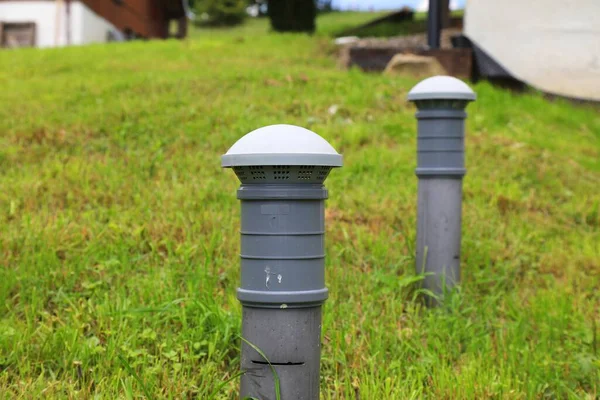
<point x="373" y="54"/>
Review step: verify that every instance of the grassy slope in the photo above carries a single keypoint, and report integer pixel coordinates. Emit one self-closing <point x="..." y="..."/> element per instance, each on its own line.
<point x="119" y="230"/>
<point x="387" y="29"/>
<point x="329" y="24"/>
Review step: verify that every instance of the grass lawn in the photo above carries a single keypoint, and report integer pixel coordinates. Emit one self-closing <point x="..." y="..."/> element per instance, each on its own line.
<point x="329" y="24"/>
<point x="383" y="29"/>
<point x="119" y="230"/>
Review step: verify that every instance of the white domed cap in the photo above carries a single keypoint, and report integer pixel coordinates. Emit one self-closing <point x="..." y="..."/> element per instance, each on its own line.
<point x="441" y="87"/>
<point x="281" y="145"/>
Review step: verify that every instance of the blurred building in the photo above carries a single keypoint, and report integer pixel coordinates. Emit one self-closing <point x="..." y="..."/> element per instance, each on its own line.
<point x="51" y="23"/>
<point x="553" y="46"/>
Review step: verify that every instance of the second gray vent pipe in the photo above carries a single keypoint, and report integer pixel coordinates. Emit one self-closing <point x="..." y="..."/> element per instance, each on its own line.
<point x="441" y="103"/>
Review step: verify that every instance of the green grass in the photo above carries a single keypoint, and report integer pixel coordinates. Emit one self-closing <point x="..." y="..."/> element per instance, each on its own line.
<point x="387" y="29"/>
<point x="328" y="24"/>
<point x="335" y="22"/>
<point x="119" y="230"/>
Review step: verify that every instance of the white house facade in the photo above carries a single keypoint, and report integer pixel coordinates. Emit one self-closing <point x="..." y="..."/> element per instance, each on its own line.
<point x="53" y="23"/>
<point x="552" y="45"/>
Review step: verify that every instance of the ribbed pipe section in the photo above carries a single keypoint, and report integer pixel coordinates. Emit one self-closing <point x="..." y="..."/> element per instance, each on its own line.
<point x="440" y="143"/>
<point x="282" y="245"/>
<point x="282" y="288"/>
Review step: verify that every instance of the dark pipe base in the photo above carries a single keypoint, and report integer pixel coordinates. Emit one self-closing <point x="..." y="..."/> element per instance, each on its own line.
<point x="438" y="234"/>
<point x="291" y="341"/>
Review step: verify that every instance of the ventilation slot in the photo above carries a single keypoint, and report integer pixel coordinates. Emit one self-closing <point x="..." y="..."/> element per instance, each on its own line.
<point x="305" y="172"/>
<point x="323" y="173"/>
<point x="241" y="173"/>
<point x="439" y="103"/>
<point x="257" y="173"/>
<point x="281" y="172"/>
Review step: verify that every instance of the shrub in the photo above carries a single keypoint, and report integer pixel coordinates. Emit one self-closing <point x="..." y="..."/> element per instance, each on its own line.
<point x="292" y="15"/>
<point x="220" y="12"/>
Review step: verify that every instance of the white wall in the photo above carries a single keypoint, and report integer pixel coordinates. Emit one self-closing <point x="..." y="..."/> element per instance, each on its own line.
<point x="86" y="26"/>
<point x="554" y="45"/>
<point x="42" y="13"/>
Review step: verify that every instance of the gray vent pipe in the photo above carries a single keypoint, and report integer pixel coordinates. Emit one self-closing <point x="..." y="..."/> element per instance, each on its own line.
<point x="434" y="24"/>
<point x="282" y="169"/>
<point x="441" y="103"/>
